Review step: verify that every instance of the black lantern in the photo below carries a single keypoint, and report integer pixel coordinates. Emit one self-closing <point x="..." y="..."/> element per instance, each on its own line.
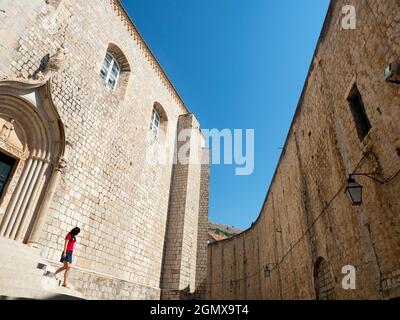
<point x="267" y="272"/>
<point x="268" y="268"/>
<point x="354" y="191"/>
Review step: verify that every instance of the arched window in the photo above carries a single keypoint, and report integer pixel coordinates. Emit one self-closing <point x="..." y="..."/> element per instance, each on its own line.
<point x="323" y="280"/>
<point x="115" y="70"/>
<point x="158" y="120"/>
<point x="155" y="123"/>
<point x="110" y="71"/>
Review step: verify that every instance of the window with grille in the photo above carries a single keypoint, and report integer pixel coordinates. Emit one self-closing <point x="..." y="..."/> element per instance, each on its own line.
<point x="110" y="71"/>
<point x="360" y="117"/>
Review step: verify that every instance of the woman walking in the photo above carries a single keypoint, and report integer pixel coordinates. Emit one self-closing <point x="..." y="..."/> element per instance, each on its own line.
<point x="66" y="256"/>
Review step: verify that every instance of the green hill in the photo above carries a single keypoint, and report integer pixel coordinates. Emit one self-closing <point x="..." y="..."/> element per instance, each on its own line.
<point x="223" y="230"/>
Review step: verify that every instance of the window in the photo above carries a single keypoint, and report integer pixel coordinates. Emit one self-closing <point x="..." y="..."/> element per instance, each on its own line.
<point x="155" y="123"/>
<point x="115" y="70"/>
<point x="110" y="71"/>
<point x="358" y="111"/>
<point x="6" y="166"/>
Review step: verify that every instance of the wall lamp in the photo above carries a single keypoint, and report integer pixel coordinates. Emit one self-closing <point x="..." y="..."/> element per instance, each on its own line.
<point x="268" y="268"/>
<point x="354" y="189"/>
<point x="392" y="72"/>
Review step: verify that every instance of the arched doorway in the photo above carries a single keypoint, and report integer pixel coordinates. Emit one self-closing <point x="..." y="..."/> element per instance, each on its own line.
<point x="31" y="146"/>
<point x="323" y="281"/>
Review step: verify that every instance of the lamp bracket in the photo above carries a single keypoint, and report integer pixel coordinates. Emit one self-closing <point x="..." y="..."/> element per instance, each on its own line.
<point x="369" y="175"/>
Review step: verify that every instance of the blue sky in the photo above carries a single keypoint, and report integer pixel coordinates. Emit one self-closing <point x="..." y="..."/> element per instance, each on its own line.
<point x="238" y="64"/>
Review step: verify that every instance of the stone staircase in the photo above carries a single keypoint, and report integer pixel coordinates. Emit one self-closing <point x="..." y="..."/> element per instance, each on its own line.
<point x="22" y="275"/>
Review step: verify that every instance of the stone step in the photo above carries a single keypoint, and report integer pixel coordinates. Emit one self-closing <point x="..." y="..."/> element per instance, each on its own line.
<point x="27" y="280"/>
<point x="13" y="293"/>
<point x="22" y="274"/>
<point x="23" y="263"/>
<point x="17" y="257"/>
<point x="17" y="246"/>
<point x="20" y="268"/>
<point x="34" y="284"/>
<point x="68" y="291"/>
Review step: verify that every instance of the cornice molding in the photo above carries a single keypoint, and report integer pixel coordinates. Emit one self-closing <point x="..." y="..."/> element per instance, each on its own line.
<point x="131" y="28"/>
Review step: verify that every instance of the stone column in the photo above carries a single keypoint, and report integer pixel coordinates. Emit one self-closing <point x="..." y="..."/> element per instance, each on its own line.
<point x="42" y="214"/>
<point x="8" y="215"/>
<point x="202" y="231"/>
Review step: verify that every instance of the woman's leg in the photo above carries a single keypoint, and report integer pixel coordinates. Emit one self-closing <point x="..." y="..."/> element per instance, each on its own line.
<point x="67" y="268"/>
<point x="62" y="268"/>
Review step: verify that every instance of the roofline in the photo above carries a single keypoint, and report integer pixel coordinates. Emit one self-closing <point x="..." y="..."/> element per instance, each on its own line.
<point x="147" y="48"/>
<point x="296" y="115"/>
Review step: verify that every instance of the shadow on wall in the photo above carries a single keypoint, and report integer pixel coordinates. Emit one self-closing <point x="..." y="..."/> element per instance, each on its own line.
<point x="54" y="297"/>
<point x="199" y="294"/>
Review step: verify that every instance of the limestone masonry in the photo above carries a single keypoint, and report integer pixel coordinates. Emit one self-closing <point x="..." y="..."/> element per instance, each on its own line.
<point x="82" y="101"/>
<point x="85" y="107"/>
<point x="347" y="121"/>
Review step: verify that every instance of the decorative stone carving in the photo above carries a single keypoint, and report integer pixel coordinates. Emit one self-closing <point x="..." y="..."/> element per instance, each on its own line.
<point x="62" y="164"/>
<point x="53" y="3"/>
<point x="49" y="65"/>
<point x="5" y="131"/>
<point x="13" y="150"/>
<point x="33" y="134"/>
<point x="11" y="139"/>
<point x="13" y="184"/>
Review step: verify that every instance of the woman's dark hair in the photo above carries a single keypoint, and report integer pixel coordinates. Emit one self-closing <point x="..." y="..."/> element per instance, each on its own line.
<point x="74" y="232"/>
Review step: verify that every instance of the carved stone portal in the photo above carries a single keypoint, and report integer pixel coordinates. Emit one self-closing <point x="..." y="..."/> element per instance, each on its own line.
<point x="30" y="132"/>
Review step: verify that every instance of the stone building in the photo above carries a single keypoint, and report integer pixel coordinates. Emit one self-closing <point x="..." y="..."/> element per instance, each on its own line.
<point x="83" y="101"/>
<point x="347" y="121"/>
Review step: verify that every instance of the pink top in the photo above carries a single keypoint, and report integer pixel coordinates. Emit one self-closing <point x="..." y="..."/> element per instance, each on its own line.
<point x="71" y="242"/>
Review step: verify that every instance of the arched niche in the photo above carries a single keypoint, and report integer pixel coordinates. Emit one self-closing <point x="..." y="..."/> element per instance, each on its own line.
<point x="323" y="280"/>
<point x="32" y="134"/>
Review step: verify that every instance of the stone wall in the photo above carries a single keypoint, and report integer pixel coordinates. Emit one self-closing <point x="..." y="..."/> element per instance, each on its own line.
<point x="110" y="189"/>
<point x="307" y="227"/>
